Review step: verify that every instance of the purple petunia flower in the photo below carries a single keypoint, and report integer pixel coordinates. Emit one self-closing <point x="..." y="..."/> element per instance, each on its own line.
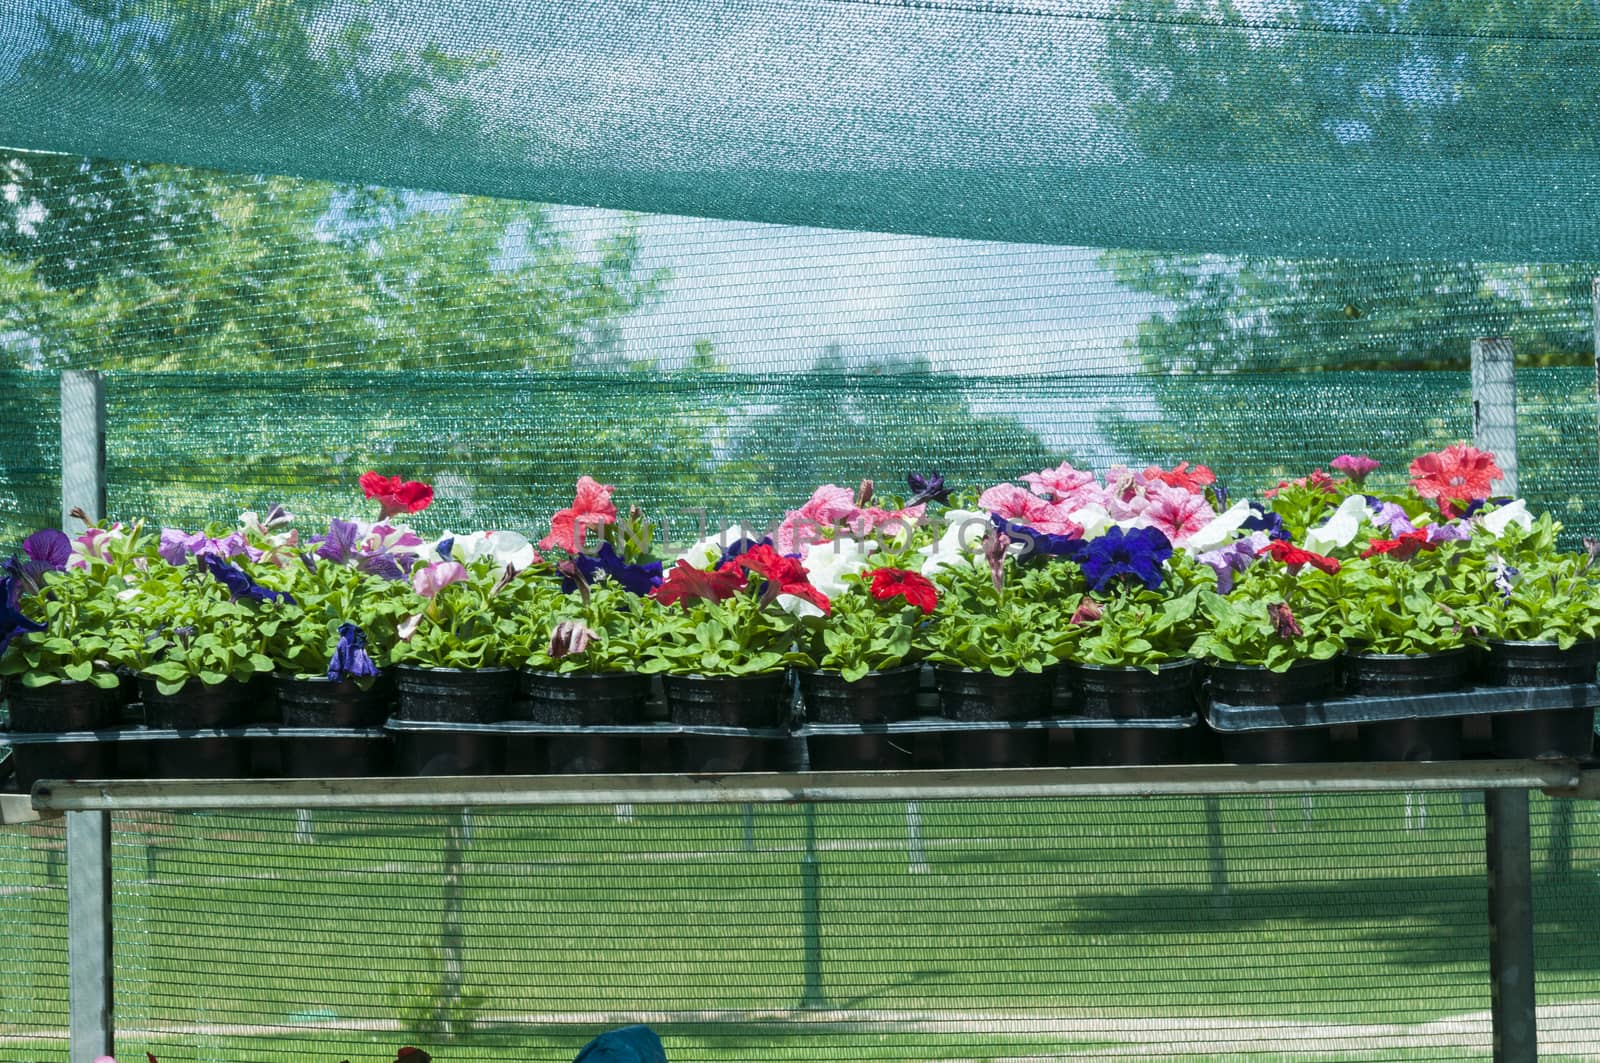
<point x="339" y="545"/>
<point x="1235" y="557"/>
<point x="929" y="488"/>
<point x="1389" y="516"/>
<point x="239" y="583"/>
<point x="49" y="546"/>
<point x="13" y="621"/>
<point x="1137" y="553"/>
<point x="350" y="659"/>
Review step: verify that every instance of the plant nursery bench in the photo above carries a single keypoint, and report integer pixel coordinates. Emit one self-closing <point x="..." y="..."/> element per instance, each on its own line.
<point x="1505" y="784"/>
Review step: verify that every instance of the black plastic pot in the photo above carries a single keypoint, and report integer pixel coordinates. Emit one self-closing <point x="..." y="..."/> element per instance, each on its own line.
<point x="877" y="697"/>
<point x="1130" y="693"/>
<point x="1303" y="681"/>
<point x="1539" y="664"/>
<point x="984" y="696"/>
<point x="578" y="699"/>
<point x="1399" y="675"/>
<point x="57" y="709"/>
<point x="315" y="702"/>
<point x="1547" y="732"/>
<point x="455" y="695"/>
<point x="756" y="701"/>
<point x="199" y="706"/>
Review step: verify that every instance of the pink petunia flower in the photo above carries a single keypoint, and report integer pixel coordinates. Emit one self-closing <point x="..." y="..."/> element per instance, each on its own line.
<point x="828" y="507"/>
<point x="591" y="507"/>
<point x="429" y="580"/>
<point x="1176" y="512"/>
<point x="1356" y="466"/>
<point x="1056" y="485"/>
<point x="1014" y="503"/>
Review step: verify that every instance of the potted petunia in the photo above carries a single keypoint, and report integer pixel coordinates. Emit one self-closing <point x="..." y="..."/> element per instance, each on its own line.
<point x="722" y="642"/>
<point x="862" y="662"/>
<point x="329" y="651"/>
<point x="1541" y="619"/>
<point x="1126" y="643"/>
<point x="580" y="654"/>
<point x="450" y="644"/>
<point x="989" y="645"/>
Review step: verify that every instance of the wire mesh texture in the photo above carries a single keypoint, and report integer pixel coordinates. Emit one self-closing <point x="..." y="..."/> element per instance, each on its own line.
<point x="1342" y="927"/>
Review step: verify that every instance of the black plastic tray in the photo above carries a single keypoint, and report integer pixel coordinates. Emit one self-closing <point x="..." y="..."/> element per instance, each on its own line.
<point x="1335" y="712"/>
<point x="141" y="733"/>
<point x="531" y="729"/>
<point x="939" y="725"/>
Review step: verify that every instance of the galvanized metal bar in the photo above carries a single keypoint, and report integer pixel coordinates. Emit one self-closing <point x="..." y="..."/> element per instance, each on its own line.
<point x="89" y="969"/>
<point x="916" y="850"/>
<point x="452" y="925"/>
<point x="1216" y="854"/>
<point x="1494" y="406"/>
<point x="1511" y="961"/>
<point x="796" y="787"/>
<point x="83" y="445"/>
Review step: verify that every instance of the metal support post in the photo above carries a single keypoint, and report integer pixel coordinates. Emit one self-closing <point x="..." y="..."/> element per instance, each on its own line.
<point x="811" y="995"/>
<point x="1494" y="406"/>
<point x="1511" y="996"/>
<point x="83" y="445"/>
<point x="749" y="828"/>
<point x="89" y="967"/>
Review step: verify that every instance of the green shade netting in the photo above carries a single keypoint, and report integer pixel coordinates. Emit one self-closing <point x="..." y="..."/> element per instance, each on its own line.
<point x="1372" y="129"/>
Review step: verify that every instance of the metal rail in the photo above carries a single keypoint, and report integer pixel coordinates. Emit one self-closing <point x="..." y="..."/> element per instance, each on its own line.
<point x="799" y="787"/>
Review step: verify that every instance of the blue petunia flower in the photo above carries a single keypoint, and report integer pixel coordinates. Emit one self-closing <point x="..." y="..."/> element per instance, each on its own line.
<point x="1267" y="521"/>
<point x="1040" y="544"/>
<point x="350" y="660"/>
<point x="739" y="547"/>
<point x="13" y="621"/>
<point x="239" y="583"/>
<point x="1136" y="552"/>
<point x="640" y="579"/>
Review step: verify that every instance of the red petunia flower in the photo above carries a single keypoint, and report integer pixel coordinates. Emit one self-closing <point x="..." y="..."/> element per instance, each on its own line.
<point x="1194" y="480"/>
<point x="785" y="573"/>
<point x="686" y="583"/>
<point x="1458" y="473"/>
<point x="1294" y="557"/>
<point x="591" y="507"/>
<point x="396" y="496"/>
<point x="916" y="589"/>
<point x="1402" y="547"/>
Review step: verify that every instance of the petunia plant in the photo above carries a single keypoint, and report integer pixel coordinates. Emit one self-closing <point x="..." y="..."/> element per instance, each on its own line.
<point x="982" y="622"/>
<point x="456" y="618"/>
<point x="730" y="621"/>
<point x="602" y="628"/>
<point x="873" y="625"/>
<point x="64" y="632"/>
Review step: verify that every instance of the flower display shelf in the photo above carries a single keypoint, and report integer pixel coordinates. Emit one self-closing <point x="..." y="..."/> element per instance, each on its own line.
<point x="1554" y="721"/>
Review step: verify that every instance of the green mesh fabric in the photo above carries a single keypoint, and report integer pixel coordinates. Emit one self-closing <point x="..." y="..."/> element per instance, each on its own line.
<point x="1382" y="128"/>
<point x="1349" y="928"/>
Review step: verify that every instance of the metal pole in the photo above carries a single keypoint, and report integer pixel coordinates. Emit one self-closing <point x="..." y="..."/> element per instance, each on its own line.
<point x="89" y="935"/>
<point x="1494" y="405"/>
<point x="1511" y="961"/>
<point x="83" y="445"/>
<point x="749" y="828"/>
<point x="811" y="903"/>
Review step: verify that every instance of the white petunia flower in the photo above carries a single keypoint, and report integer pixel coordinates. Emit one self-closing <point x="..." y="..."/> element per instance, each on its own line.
<point x="1340" y="529"/>
<point x="1511" y="513"/>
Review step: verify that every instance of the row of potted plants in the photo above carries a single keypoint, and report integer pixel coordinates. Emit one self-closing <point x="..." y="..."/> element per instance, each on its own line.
<point x="1110" y="592"/>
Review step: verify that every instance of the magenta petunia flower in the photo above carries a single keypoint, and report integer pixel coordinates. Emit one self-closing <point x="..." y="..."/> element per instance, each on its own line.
<point x="1356" y="466"/>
